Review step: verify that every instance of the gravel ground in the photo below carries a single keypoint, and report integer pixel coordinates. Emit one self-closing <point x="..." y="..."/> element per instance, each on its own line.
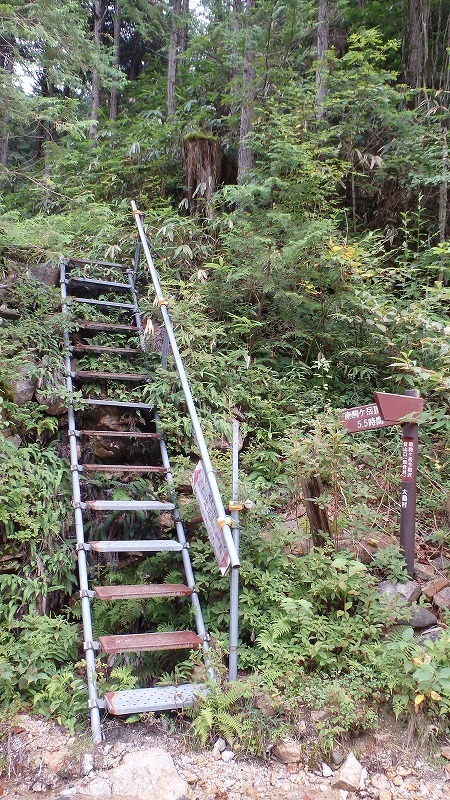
<point x="42" y="759"/>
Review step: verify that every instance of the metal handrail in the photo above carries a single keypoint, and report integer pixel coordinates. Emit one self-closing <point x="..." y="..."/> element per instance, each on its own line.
<point x="222" y="518"/>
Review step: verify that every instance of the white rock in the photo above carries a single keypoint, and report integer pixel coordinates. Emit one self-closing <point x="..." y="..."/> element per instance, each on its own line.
<point x="220" y="745"/>
<point x="364" y="777"/>
<point x="98" y="787"/>
<point x="87" y="763"/>
<point x="227" y="756"/>
<point x="147" y="775"/>
<point x="327" y="772"/>
<point x="349" y="775"/>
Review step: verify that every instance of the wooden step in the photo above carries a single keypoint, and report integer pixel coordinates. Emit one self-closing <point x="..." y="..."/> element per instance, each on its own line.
<point x="88" y="374"/>
<point x="106" y="327"/>
<point x="142" y="469"/>
<point x="93" y="348"/>
<point x="127" y="505"/>
<point x="117" y="404"/>
<point x="94" y="283"/>
<point x="157" y="698"/>
<point x="137" y="592"/>
<point x="119" y="434"/>
<point x="138" y="642"/>
<point x="136" y="546"/>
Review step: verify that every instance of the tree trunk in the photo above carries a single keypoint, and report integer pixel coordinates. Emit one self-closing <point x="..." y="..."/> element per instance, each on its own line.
<point x="319" y="523"/>
<point x="185" y="28"/>
<point x="443" y="189"/>
<point x="415" y="51"/>
<point x="323" y="31"/>
<point x="95" y="101"/>
<point x="202" y="157"/>
<point x="172" y="57"/>
<point x="114" y="100"/>
<point x="7" y="63"/>
<point x="245" y="153"/>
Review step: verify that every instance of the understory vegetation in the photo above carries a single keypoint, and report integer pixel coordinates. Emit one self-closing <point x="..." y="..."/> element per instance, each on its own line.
<point x="319" y="276"/>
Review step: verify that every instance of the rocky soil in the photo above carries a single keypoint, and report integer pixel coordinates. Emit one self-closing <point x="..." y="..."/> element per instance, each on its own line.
<point x="144" y="762"/>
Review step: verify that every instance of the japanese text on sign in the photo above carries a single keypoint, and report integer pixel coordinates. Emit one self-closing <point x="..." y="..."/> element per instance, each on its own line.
<point x="363" y="418"/>
<point x="408" y="460"/>
<point x="205" y="501"/>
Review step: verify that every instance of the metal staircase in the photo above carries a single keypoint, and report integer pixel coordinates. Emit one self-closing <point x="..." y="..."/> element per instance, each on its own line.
<point x="116" y="331"/>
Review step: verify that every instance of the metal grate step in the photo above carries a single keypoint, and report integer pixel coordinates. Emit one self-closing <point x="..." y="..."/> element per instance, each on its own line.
<point x="143" y="469"/>
<point x="93" y="348"/>
<point x="85" y="374"/>
<point x="137" y="592"/>
<point x="128" y="505"/>
<point x="117" y="404"/>
<point x="120" y="434"/>
<point x="109" y="303"/>
<point x="138" y="642"/>
<point x="159" y="698"/>
<point x="107" y="286"/>
<point x="137" y="546"/>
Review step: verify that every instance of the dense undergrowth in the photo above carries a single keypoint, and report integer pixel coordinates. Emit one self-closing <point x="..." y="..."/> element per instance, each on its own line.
<point x="287" y="311"/>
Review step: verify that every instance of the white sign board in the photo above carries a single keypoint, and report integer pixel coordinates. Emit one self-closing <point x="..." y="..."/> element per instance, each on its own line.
<point x="205" y="501"/>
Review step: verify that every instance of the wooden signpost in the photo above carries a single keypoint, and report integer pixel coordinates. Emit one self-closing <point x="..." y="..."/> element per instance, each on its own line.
<point x="404" y="410"/>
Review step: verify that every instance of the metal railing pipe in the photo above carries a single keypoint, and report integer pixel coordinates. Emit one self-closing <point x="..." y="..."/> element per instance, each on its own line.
<point x="198" y="433"/>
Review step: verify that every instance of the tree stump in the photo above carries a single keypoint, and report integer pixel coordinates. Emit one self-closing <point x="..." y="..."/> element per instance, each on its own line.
<point x="202" y="156"/>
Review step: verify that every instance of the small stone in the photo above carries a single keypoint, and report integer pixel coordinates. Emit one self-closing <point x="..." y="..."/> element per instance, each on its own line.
<point x="431" y="634"/>
<point x="422" y="617"/>
<point x="87" y="764"/>
<point x="227" y="756"/>
<point x="327" y="772"/>
<point x="287" y="751"/>
<point x="190" y="777"/>
<point x="441" y="563"/>
<point x="71" y="791"/>
<point x="349" y="774"/>
<point x="405" y="772"/>
<point x="37" y="787"/>
<point x="220" y="745"/>
<point x="337" y="757"/>
<point x="424" y="572"/>
<point x="409" y="591"/>
<point x="385" y="794"/>
<point x="434" y="586"/>
<point x="397" y="780"/>
<point x="442" y="598"/>
<point x="445" y="753"/>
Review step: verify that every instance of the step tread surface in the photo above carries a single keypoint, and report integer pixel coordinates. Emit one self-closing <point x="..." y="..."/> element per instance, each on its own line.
<point x="118" y="376"/>
<point x="131" y="592"/>
<point x="128" y="505"/>
<point x="157" y="698"/>
<point x="137" y="642"/>
<point x="117" y="404"/>
<point x="123" y="468"/>
<point x="119" y="434"/>
<point x="136" y="546"/>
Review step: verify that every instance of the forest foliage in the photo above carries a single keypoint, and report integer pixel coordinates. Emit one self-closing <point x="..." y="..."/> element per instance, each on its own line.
<point x="314" y="271"/>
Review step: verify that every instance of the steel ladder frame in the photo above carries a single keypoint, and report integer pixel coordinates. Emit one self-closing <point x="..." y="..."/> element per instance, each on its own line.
<point x="90" y="646"/>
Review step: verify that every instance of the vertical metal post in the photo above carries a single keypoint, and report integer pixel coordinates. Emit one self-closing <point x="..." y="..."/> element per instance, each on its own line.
<point x="409" y="488"/>
<point x="234" y="580"/>
<point x="137" y="258"/>
<point x="79" y="531"/>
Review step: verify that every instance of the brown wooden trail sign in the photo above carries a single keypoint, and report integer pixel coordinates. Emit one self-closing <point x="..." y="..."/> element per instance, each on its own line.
<point x="396" y="409"/>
